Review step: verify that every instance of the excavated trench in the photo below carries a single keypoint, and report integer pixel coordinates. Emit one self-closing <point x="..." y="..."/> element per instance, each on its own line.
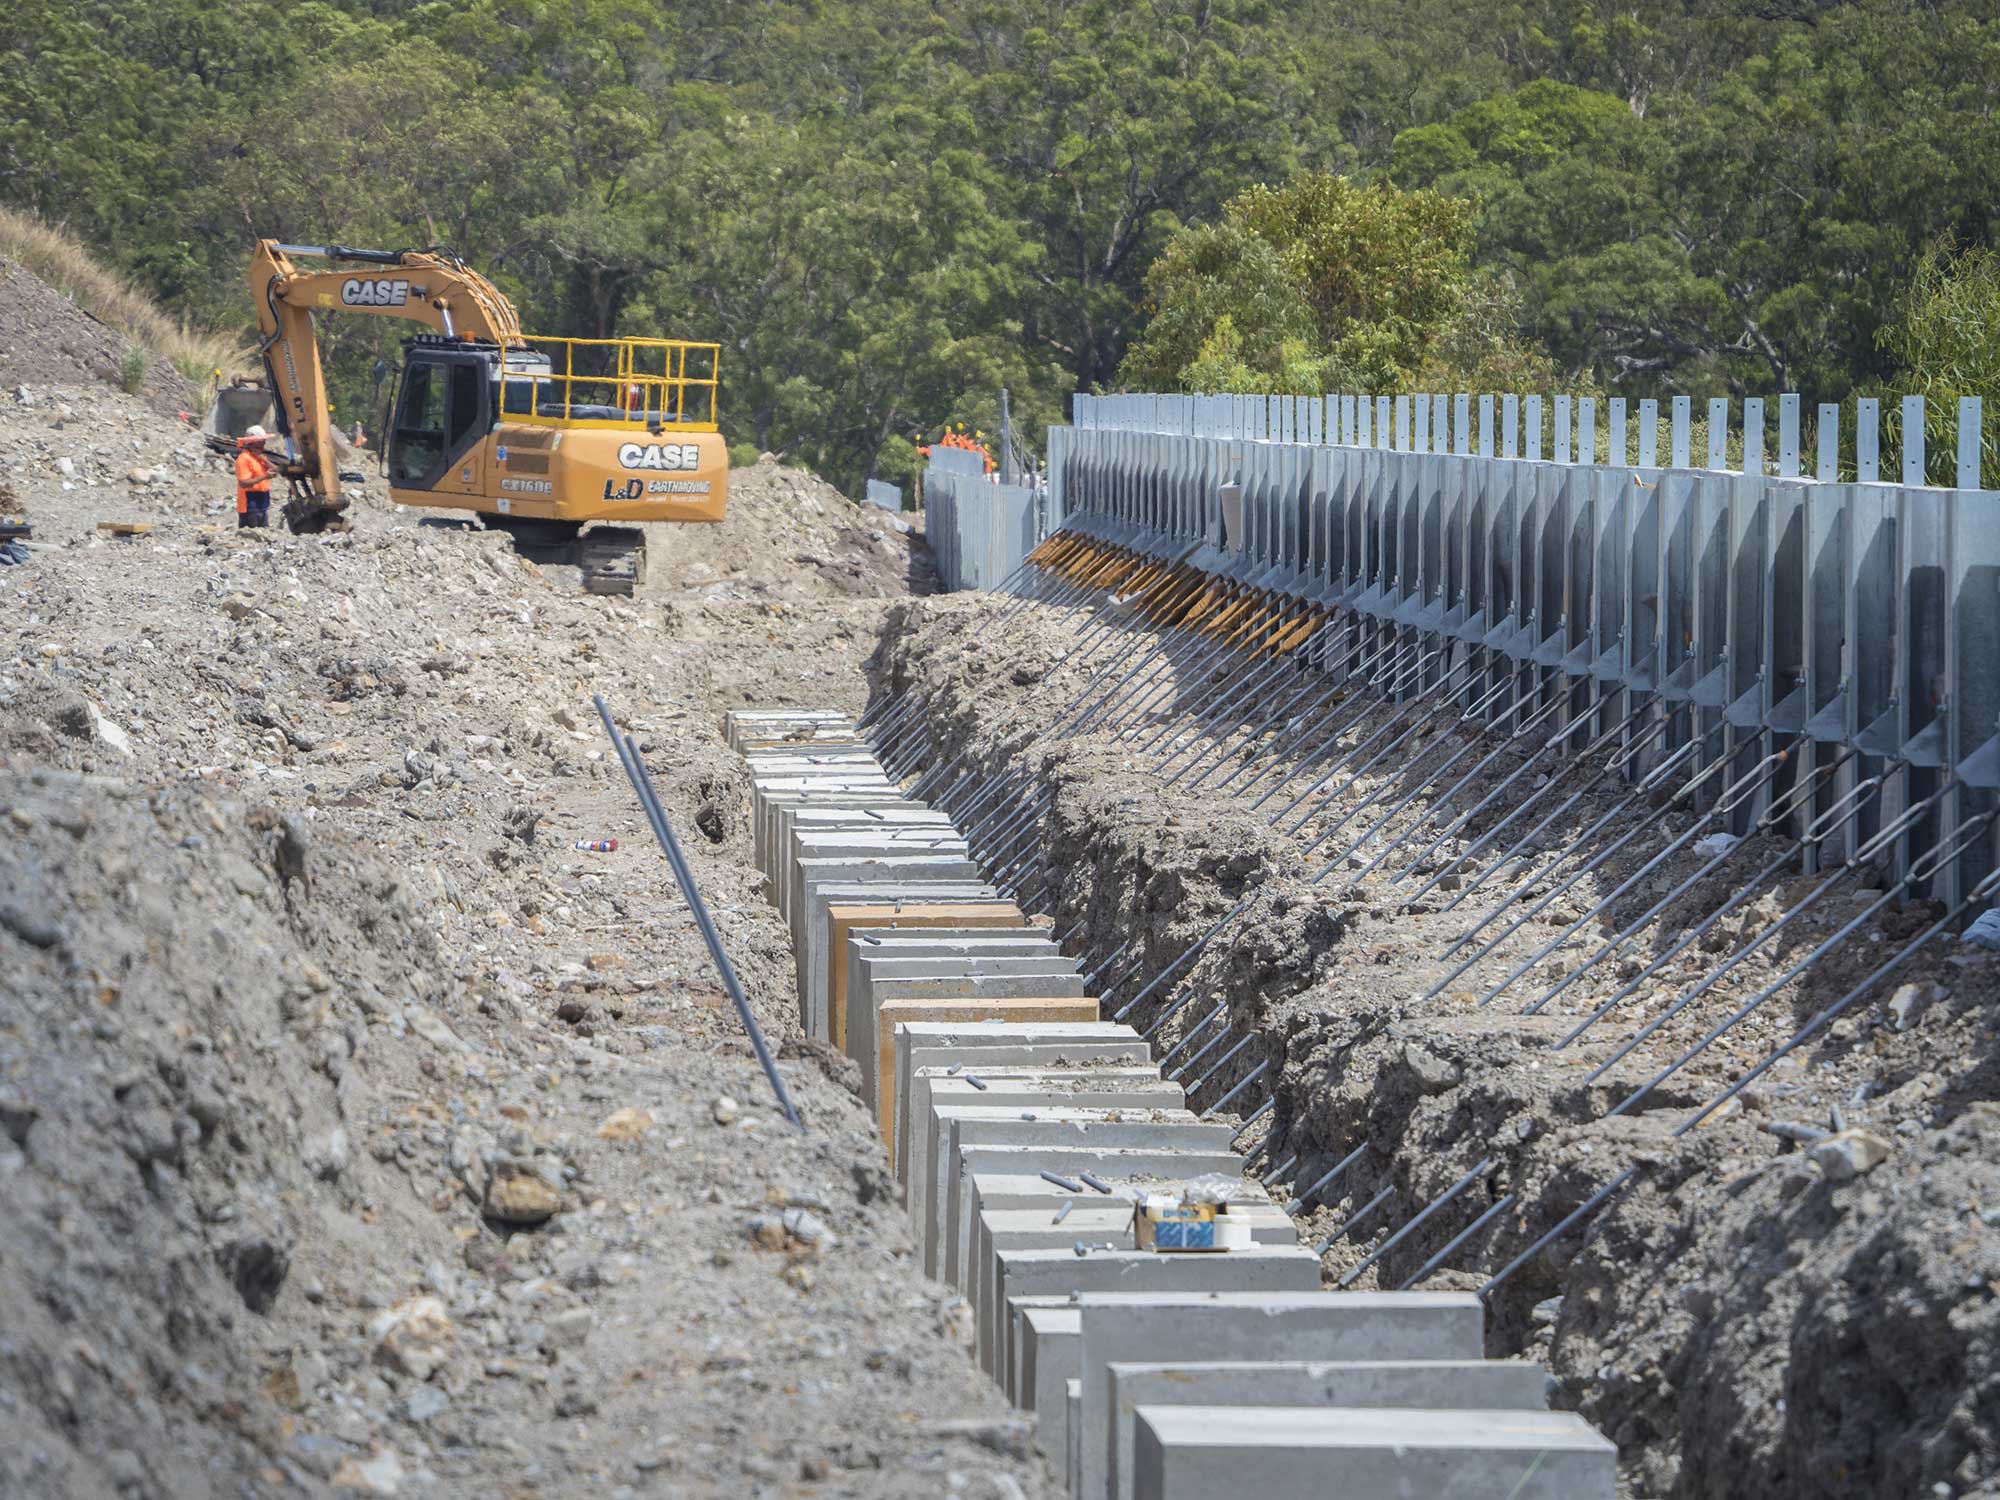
<point x="1739" y="1319"/>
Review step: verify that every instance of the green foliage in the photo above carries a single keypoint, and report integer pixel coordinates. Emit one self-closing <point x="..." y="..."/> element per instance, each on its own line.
<point x="1946" y="344"/>
<point x="886" y="209"/>
<point x="1326" y="284"/>
<point x="132" y="371"/>
<point x="742" y="455"/>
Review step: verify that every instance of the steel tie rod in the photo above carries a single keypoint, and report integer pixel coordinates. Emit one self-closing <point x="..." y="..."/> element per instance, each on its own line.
<point x="1986" y="890"/>
<point x="1356" y="682"/>
<point x="1302" y="1199"/>
<point x="1639" y="924"/>
<point x="1353" y="1221"/>
<point x="1249" y="1078"/>
<point x="1220" y="1063"/>
<point x="1457" y="1240"/>
<point x="1921" y="870"/>
<point x="649" y="802"/>
<point x="1715" y="976"/>
<point x="1415" y="1223"/>
<point x="1743" y="787"/>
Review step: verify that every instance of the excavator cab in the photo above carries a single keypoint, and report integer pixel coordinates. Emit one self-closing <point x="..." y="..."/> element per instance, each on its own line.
<point x="443" y="409"/>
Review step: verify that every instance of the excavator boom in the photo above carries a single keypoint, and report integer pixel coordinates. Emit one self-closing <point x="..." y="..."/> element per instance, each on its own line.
<point x="419" y="286"/>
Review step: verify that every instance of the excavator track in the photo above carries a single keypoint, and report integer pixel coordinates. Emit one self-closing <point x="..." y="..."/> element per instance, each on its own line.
<point x="612" y="559"/>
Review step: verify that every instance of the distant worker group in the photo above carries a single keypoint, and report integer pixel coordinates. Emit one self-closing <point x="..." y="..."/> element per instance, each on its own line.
<point x="955" y="437"/>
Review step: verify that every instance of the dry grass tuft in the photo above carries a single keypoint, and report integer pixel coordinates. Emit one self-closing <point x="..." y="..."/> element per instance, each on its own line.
<point x="51" y="253"/>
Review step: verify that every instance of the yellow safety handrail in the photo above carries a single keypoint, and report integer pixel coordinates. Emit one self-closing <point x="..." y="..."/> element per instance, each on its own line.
<point x="634" y="393"/>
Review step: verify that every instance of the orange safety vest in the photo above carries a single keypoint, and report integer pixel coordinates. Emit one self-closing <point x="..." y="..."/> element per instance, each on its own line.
<point x="253" y="472"/>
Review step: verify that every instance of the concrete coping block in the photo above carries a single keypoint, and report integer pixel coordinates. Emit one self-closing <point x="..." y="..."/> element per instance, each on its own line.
<point x="862" y="856"/>
<point x="1431" y="1384"/>
<point x="1098" y="1228"/>
<point x="939" y="1140"/>
<point x="1073" y="1435"/>
<point x="1186" y="1452"/>
<point x="1082" y="1044"/>
<point x="822" y="958"/>
<point x="1113" y="1086"/>
<point x="1047" y="1348"/>
<point x="772" y="814"/>
<point x="998" y="980"/>
<point x="889" y="1015"/>
<point x="1222" y="1326"/>
<point x="1260" y="1268"/>
<point x="1104" y="1162"/>
<point x="884" y="871"/>
<point x="1133" y="1084"/>
<point x="913" y="903"/>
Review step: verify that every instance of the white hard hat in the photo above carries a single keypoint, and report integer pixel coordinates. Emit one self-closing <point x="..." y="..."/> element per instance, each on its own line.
<point x="256" y="431"/>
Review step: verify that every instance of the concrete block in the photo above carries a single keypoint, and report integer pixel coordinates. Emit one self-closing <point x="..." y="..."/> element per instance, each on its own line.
<point x="1465" y="1384"/>
<point x="937" y="1142"/>
<point x="1288" y="1453"/>
<point x="882" y="872"/>
<point x="965" y="945"/>
<point x="1225" y="1327"/>
<point x="999" y="1044"/>
<point x="789" y="818"/>
<point x="812" y="952"/>
<point x="1067" y="1160"/>
<point x="1172" y="1130"/>
<point x="809" y="853"/>
<point x="889" y="1015"/>
<point x="771" y="808"/>
<point x="1018" y="1380"/>
<point x="1136" y="1086"/>
<point x="1049" y="1348"/>
<point x="945" y="978"/>
<point x="827" y="929"/>
<point x="1073" y="1435"/>
<point x="1261" y="1268"/>
<point x="995" y="1234"/>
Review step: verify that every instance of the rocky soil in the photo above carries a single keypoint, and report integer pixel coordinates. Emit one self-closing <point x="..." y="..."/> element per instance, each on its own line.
<point x="790" y="536"/>
<point x="1771" y="1308"/>
<point x="361" y="1135"/>
<point x="45" y="339"/>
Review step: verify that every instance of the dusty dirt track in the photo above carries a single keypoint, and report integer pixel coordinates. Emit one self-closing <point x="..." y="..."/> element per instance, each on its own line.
<point x="360" y="1135"/>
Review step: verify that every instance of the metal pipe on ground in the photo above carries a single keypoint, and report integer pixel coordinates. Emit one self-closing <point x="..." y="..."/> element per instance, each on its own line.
<point x="649" y="802"/>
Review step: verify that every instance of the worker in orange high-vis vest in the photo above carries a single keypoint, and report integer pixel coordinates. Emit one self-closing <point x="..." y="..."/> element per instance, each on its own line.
<point x="253" y="480"/>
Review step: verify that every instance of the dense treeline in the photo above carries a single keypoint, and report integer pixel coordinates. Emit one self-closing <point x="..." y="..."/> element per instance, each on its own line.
<point x="886" y="209"/>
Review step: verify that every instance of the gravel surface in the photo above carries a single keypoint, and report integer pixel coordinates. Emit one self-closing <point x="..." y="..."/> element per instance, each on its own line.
<point x="361" y="1136"/>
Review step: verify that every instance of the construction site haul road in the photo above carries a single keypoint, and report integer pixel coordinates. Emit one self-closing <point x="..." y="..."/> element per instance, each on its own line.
<point x="376" y="1119"/>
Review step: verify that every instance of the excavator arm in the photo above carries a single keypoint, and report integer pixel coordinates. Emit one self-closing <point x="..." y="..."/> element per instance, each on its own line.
<point x="429" y="287"/>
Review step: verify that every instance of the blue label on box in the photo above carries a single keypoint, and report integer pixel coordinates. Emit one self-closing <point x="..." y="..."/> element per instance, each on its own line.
<point x="1197" y="1235"/>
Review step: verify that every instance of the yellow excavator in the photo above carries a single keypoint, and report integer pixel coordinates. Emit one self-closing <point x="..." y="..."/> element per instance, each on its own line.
<point x="539" y="436"/>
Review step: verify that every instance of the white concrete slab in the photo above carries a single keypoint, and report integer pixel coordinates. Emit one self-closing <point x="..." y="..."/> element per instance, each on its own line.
<point x="1228" y="1326"/>
<point x="1465" y="1384"/>
<point x="1286" y="1453"/>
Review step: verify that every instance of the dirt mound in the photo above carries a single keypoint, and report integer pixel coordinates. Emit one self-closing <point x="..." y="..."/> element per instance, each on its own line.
<point x="46" y="339"/>
<point x="191" y="982"/>
<point x="788" y="535"/>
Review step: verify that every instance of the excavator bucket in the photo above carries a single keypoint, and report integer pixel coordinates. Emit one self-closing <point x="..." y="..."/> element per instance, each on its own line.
<point x="305" y="514"/>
